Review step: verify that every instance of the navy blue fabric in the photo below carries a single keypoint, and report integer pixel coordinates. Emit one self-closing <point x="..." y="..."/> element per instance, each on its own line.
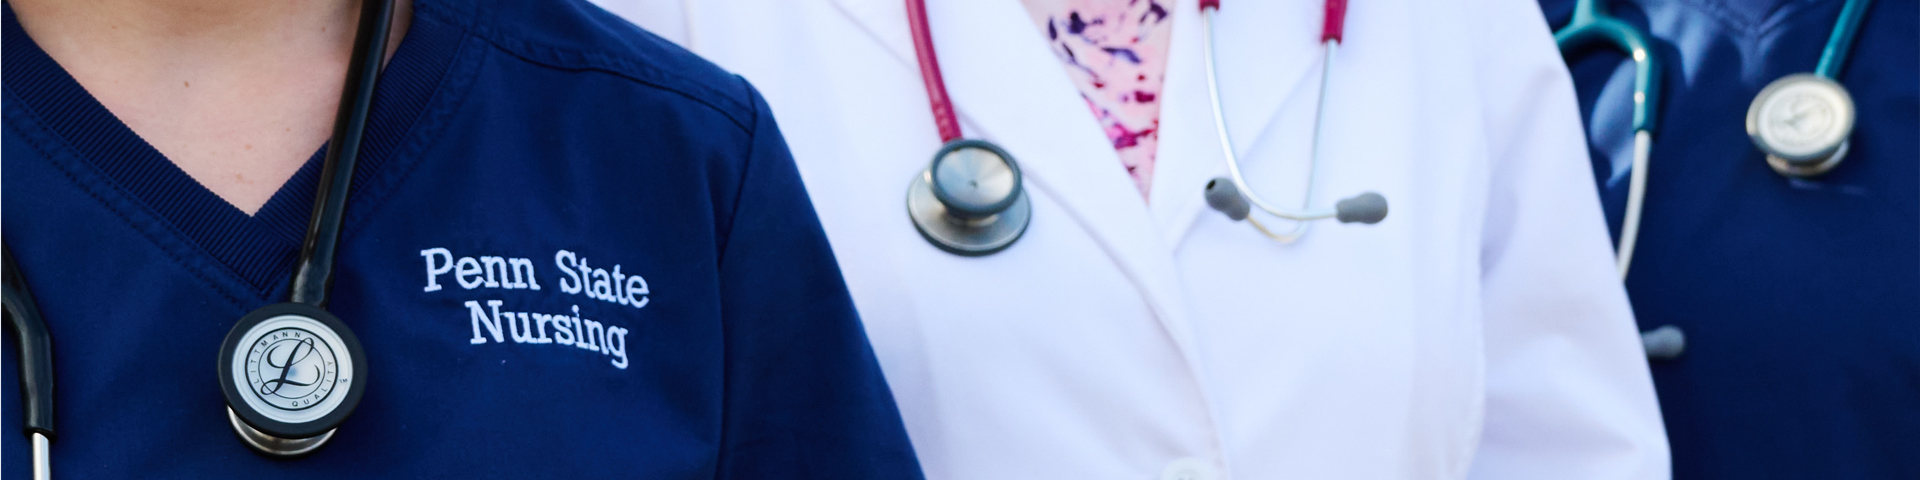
<point x="1800" y="298"/>
<point x="546" y="131"/>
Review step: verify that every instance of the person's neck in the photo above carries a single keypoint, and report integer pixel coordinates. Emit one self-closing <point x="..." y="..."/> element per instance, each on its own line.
<point x="237" y="93"/>
<point x="189" y="30"/>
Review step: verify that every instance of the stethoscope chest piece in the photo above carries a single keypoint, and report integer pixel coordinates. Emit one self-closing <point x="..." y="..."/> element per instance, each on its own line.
<point x="291" y="374"/>
<point x="970" y="200"/>
<point x="1802" y="122"/>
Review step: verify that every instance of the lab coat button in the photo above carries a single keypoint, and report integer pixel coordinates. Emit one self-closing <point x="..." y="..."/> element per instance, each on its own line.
<point x="1190" y="468"/>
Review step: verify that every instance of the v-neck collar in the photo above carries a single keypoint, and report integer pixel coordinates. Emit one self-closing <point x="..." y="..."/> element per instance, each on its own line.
<point x="258" y="249"/>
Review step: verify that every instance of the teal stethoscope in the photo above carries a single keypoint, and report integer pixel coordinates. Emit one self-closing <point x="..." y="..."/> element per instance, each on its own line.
<point x="1801" y="121"/>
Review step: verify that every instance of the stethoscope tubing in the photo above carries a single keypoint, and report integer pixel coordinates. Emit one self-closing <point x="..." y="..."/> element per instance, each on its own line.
<point x="36" y="363"/>
<point x="1592" y="23"/>
<point x="1636" y="201"/>
<point x="313" y="274"/>
<point x="938" y="99"/>
<point x="42" y="458"/>
<point x="1833" y="57"/>
<point x="1331" y="44"/>
<point x="313" y="277"/>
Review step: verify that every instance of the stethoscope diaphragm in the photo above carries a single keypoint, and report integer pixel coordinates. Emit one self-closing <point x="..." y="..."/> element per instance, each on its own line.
<point x="291" y="373"/>
<point x="1802" y="123"/>
<point x="970" y="200"/>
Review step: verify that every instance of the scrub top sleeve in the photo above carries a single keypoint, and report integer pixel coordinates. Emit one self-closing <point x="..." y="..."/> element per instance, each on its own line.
<point x="1568" y="393"/>
<point x="804" y="396"/>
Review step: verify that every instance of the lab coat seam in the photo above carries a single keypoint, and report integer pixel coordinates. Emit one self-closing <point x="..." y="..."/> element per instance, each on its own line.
<point x="1147" y="262"/>
<point x="893" y="49"/>
<point x="687" y="24"/>
<point x="1165" y="317"/>
<point x="1549" y="86"/>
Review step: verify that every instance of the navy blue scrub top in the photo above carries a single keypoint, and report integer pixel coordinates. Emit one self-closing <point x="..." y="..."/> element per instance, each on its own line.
<point x="1800" y="299"/>
<point x="525" y="160"/>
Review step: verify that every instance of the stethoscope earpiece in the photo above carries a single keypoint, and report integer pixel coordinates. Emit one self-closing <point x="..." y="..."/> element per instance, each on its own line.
<point x="1802" y="123"/>
<point x="1226" y="198"/>
<point x="970" y="200"/>
<point x="1231" y="196"/>
<point x="1665" y="343"/>
<point x="1368" y="208"/>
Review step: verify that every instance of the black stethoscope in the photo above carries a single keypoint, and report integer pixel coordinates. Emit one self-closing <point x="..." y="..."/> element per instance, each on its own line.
<point x="291" y="372"/>
<point x="971" y="201"/>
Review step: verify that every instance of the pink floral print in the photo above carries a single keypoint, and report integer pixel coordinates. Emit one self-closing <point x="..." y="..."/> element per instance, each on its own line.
<point x="1116" y="53"/>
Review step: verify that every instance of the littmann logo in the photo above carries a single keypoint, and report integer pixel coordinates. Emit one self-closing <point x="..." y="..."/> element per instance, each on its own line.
<point x="292" y="368"/>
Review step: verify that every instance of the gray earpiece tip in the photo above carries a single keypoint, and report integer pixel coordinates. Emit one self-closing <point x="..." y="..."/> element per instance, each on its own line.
<point x="1664" y="343"/>
<point x="1368" y="208"/>
<point x="1223" y="196"/>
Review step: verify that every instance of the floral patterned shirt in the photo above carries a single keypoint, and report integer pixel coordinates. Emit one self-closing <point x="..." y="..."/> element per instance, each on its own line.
<point x="1116" y="53"/>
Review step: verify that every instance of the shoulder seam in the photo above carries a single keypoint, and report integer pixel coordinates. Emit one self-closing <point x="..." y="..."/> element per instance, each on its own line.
<point x="746" y="169"/>
<point x="624" y="67"/>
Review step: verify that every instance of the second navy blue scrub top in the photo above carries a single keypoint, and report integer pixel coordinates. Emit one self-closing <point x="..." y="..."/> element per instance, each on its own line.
<point x="1800" y="298"/>
<point x="525" y="160"/>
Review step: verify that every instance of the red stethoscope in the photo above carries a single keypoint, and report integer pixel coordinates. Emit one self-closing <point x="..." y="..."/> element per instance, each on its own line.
<point x="970" y="200"/>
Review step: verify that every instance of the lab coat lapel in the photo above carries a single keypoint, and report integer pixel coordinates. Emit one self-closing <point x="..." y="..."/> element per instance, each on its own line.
<point x="1267" y="53"/>
<point x="1009" y="89"/>
<point x="886" y="22"/>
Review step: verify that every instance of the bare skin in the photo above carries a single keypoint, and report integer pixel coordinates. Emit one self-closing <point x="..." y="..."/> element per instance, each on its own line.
<point x="237" y="93"/>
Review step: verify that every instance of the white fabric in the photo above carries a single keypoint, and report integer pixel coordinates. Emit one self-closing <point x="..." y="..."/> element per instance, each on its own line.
<point x="1479" y="332"/>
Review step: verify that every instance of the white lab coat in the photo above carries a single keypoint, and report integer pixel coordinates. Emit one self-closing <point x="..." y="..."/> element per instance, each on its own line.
<point x="1478" y="332"/>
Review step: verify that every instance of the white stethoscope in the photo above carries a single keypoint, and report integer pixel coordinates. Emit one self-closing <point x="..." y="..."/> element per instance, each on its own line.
<point x="1801" y="121"/>
<point x="970" y="200"/>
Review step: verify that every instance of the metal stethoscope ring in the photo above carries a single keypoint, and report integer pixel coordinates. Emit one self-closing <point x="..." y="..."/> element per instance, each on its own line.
<point x="1802" y="121"/>
<point x="970" y="201"/>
